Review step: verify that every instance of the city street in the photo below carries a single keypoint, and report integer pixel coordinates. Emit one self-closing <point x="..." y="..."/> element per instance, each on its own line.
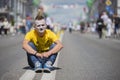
<point x="84" y="57"/>
<point x="12" y="57"/>
<point x="89" y="58"/>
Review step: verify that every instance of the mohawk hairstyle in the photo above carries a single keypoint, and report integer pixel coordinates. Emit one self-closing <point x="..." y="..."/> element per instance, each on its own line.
<point x="39" y="16"/>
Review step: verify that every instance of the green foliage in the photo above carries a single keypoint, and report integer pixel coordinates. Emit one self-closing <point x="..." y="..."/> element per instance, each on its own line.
<point x="36" y="2"/>
<point x="90" y="3"/>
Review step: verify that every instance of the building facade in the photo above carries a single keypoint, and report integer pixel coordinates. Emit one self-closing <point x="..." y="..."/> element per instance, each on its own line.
<point x="109" y="6"/>
<point x="17" y="9"/>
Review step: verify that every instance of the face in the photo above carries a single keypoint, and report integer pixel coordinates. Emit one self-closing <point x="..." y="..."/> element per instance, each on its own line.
<point x="40" y="25"/>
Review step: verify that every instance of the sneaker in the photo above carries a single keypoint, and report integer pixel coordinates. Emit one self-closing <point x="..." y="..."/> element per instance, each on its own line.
<point x="47" y="67"/>
<point x="38" y="67"/>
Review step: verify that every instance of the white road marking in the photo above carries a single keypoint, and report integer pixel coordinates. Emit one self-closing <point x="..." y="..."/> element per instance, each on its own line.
<point x="51" y="76"/>
<point x="28" y="75"/>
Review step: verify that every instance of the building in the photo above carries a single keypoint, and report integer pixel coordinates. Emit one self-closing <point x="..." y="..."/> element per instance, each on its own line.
<point x="118" y="7"/>
<point x="17" y="9"/>
<point x="98" y="6"/>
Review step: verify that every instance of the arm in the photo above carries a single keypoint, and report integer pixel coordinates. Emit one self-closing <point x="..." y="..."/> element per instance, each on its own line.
<point x="29" y="49"/>
<point x="54" y="50"/>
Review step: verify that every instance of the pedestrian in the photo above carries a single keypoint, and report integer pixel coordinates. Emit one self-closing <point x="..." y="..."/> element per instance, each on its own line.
<point x="41" y="45"/>
<point x="104" y="16"/>
<point x="70" y="25"/>
<point x="1" y="25"/>
<point x="28" y="23"/>
<point x="100" y="26"/>
<point x="49" y="23"/>
<point x="116" y="20"/>
<point x="109" y="27"/>
<point x="6" y="26"/>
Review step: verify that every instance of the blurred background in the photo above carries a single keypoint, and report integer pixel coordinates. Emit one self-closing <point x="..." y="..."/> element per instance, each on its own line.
<point x="59" y="11"/>
<point x="17" y="9"/>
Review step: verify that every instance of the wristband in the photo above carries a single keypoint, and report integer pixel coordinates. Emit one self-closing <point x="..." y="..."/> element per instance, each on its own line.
<point x="35" y="53"/>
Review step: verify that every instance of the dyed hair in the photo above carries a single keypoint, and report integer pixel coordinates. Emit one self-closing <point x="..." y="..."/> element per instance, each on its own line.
<point x="39" y="16"/>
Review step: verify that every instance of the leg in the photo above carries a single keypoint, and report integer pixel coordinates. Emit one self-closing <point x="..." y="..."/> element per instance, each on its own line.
<point x="100" y="34"/>
<point x="48" y="62"/>
<point x="52" y="58"/>
<point x="0" y="31"/>
<point x="34" y="61"/>
<point x="5" y="31"/>
<point x="32" y="58"/>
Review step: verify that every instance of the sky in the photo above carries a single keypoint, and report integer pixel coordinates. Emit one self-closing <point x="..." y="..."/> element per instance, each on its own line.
<point x="64" y="14"/>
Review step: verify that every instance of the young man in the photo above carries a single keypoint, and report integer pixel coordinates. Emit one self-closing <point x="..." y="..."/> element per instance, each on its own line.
<point x="41" y="45"/>
<point x="100" y="26"/>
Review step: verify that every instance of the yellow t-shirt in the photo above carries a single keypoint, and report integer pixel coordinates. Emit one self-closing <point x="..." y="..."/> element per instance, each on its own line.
<point x="41" y="43"/>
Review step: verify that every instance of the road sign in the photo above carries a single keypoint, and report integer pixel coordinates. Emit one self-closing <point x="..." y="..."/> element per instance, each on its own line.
<point x="108" y="2"/>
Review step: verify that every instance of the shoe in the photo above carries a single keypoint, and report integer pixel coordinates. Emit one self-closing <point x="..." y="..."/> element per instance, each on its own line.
<point x="38" y="67"/>
<point x="48" y="67"/>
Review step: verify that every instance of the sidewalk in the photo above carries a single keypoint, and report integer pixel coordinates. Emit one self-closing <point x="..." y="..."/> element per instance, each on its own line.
<point x="95" y="35"/>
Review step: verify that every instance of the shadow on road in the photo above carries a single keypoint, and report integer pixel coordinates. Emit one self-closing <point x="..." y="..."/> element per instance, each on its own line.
<point x="52" y="69"/>
<point x="27" y="68"/>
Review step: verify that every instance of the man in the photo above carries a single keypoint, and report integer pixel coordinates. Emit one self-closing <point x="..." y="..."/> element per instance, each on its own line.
<point x="104" y="16"/>
<point x="100" y="26"/>
<point x="28" y="23"/>
<point x="116" y="20"/>
<point x="41" y="45"/>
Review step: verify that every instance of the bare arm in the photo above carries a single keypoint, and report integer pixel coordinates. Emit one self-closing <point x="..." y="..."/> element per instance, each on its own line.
<point x="54" y="50"/>
<point x="28" y="48"/>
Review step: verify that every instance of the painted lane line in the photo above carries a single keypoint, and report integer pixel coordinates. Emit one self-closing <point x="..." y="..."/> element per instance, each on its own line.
<point x="28" y="75"/>
<point x="51" y="76"/>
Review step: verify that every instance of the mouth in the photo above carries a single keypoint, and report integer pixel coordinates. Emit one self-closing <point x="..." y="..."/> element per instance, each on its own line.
<point x="41" y="29"/>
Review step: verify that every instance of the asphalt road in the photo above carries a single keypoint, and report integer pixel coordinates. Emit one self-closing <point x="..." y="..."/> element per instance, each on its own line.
<point x="12" y="57"/>
<point x="84" y="57"/>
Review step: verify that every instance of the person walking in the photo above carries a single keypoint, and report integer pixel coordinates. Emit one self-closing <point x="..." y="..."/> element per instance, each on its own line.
<point x="6" y="26"/>
<point x="70" y="26"/>
<point x="28" y="23"/>
<point x="116" y="20"/>
<point x="104" y="16"/>
<point x="1" y="25"/>
<point x="41" y="45"/>
<point x="109" y="27"/>
<point x="100" y="26"/>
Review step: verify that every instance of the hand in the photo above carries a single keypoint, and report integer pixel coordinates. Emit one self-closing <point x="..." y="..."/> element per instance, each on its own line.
<point x="46" y="54"/>
<point x="39" y="55"/>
